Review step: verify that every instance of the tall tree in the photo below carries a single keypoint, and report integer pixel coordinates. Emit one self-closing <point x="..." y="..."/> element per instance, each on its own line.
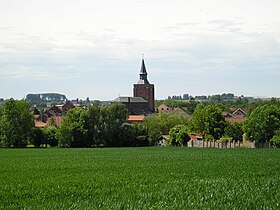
<point x="37" y="137"/>
<point x="111" y="121"/>
<point x="263" y="123"/>
<point x="161" y="123"/>
<point x="16" y="123"/>
<point x="49" y="136"/>
<point x="93" y="127"/>
<point x="234" y="131"/>
<point x="208" y="120"/>
<point x="91" y="123"/>
<point x="71" y="132"/>
<point x="276" y="139"/>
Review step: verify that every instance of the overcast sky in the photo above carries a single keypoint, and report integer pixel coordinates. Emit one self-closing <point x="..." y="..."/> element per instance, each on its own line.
<point x="91" y="48"/>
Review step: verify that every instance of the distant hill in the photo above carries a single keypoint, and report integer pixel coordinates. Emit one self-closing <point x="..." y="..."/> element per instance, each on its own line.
<point x="45" y="97"/>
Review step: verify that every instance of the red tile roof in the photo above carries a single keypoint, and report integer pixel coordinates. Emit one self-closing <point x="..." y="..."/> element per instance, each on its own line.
<point x="40" y="124"/>
<point x="135" y="118"/>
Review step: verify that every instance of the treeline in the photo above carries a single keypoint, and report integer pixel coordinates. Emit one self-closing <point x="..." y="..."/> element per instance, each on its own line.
<point x="215" y="98"/>
<point x="106" y="126"/>
<point x="99" y="127"/>
<point x="224" y="105"/>
<point x="262" y="125"/>
<point x="91" y="127"/>
<point x="45" y="97"/>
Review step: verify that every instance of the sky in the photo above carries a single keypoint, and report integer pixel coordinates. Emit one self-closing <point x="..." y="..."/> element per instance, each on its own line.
<point x="91" y="48"/>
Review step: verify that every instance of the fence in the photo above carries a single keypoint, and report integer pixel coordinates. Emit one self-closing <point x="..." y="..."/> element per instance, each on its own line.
<point x="232" y="144"/>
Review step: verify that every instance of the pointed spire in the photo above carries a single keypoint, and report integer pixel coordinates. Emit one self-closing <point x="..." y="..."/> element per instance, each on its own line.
<point x="143" y="73"/>
<point x="143" y="68"/>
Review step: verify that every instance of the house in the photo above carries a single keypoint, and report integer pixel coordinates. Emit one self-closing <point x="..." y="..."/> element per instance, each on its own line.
<point x="240" y="112"/>
<point x="40" y="118"/>
<point x="40" y="124"/>
<point x="66" y="106"/>
<point x="135" y="105"/>
<point x="163" y="107"/>
<point x="171" y="110"/>
<point x="226" y="114"/>
<point x="237" y="116"/>
<point x="55" y="120"/>
<point x="54" y="111"/>
<point x="133" y="119"/>
<point x="53" y="115"/>
<point x="198" y="136"/>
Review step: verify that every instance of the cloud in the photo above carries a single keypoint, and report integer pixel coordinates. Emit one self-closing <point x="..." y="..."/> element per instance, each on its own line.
<point x="94" y="45"/>
<point x="203" y="52"/>
<point x="5" y="28"/>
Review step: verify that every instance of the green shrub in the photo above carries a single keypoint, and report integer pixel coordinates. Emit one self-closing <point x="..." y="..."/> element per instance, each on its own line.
<point x="225" y="139"/>
<point x="276" y="139"/>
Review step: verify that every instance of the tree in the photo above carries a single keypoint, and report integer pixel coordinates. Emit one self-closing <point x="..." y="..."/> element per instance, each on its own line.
<point x="140" y="135"/>
<point x="234" y="131"/>
<point x="16" y="123"/>
<point x="179" y="135"/>
<point x="93" y="127"/>
<point x="64" y="136"/>
<point x="49" y="136"/>
<point x="216" y="98"/>
<point x="160" y="124"/>
<point x="71" y="132"/>
<point x="209" y="121"/>
<point x="112" y="118"/>
<point x="133" y="135"/>
<point x="91" y="123"/>
<point x="45" y="97"/>
<point x="189" y="106"/>
<point x="263" y="123"/>
<point x="37" y="137"/>
<point x="276" y="139"/>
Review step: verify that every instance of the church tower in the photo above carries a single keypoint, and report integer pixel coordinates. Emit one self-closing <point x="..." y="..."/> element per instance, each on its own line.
<point x="144" y="89"/>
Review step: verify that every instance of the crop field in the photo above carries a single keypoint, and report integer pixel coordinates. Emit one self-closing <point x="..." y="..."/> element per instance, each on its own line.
<point x="140" y="178"/>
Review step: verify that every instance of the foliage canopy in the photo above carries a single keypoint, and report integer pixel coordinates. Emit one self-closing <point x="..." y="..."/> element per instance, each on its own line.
<point x="208" y="120"/>
<point x="16" y="123"/>
<point x="161" y="123"/>
<point x="179" y="135"/>
<point x="262" y="123"/>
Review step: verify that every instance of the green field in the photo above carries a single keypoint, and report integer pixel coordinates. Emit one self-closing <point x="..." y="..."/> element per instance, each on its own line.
<point x="140" y="178"/>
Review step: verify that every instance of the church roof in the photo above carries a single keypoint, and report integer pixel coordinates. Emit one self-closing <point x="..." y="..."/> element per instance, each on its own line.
<point x="123" y="99"/>
<point x="143" y="68"/>
<point x="143" y="74"/>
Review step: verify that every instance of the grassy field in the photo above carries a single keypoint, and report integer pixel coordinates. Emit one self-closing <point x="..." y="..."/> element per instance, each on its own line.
<point x="140" y="178"/>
